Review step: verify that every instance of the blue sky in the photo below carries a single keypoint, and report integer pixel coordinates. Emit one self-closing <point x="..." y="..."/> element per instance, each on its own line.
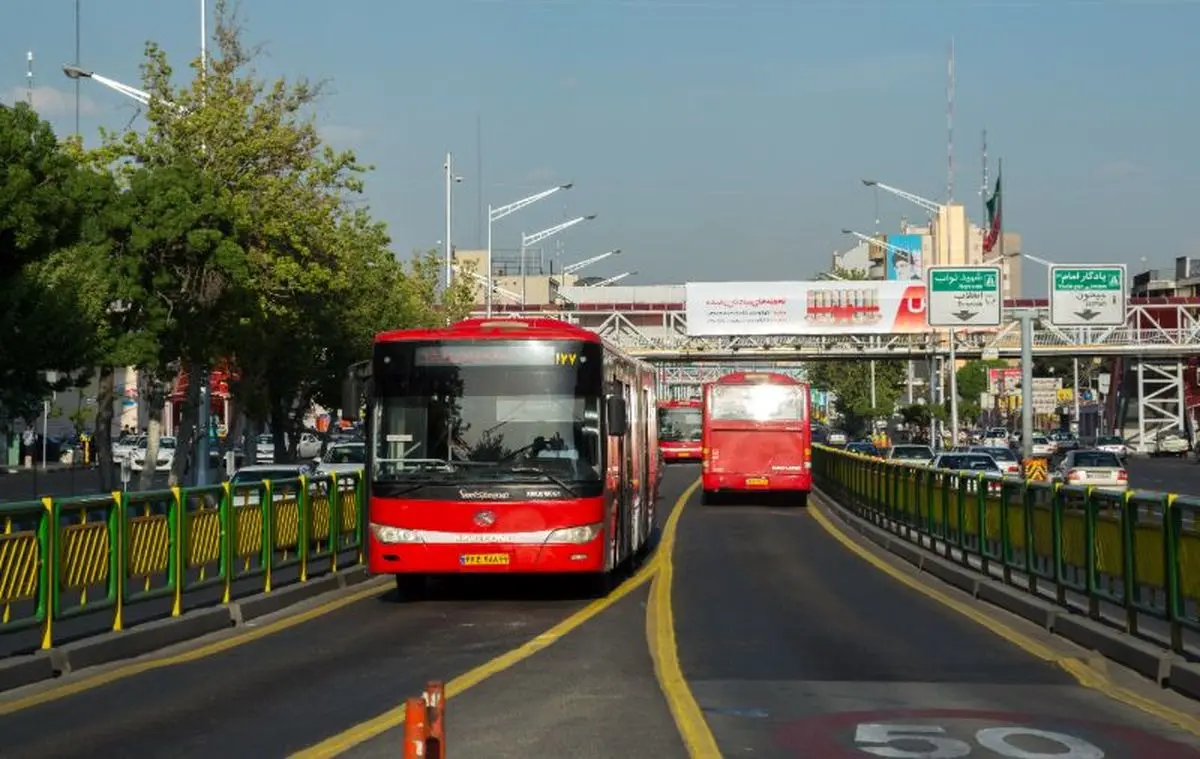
<point x="715" y="139"/>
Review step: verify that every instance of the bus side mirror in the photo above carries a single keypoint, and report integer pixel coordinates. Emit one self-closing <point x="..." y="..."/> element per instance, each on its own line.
<point x="614" y="412"/>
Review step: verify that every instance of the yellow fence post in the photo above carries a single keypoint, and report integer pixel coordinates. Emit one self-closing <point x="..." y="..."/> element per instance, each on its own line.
<point x="50" y="573"/>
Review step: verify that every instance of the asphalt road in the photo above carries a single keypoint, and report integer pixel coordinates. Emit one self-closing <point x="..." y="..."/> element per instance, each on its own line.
<point x="792" y="645"/>
<point x="29" y="485"/>
<point x="1166" y="475"/>
<point x="795" y="647"/>
<point x="294" y="688"/>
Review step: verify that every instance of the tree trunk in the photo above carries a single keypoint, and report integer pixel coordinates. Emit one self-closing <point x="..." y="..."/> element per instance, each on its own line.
<point x="102" y="440"/>
<point x="279" y="429"/>
<point x="155" y="399"/>
<point x="189" y="420"/>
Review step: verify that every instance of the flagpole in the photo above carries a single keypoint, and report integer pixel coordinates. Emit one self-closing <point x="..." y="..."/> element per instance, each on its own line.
<point x="1000" y="212"/>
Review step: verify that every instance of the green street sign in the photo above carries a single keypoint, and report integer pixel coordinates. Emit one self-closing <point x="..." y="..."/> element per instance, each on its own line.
<point x="963" y="296"/>
<point x="1102" y="278"/>
<point x="964" y="280"/>
<point x="1088" y="295"/>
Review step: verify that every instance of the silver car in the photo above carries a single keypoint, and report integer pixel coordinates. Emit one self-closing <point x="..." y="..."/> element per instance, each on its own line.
<point x="1090" y="466"/>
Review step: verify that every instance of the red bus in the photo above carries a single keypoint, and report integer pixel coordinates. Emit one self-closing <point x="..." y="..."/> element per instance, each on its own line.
<point x="757" y="436"/>
<point x="507" y="445"/>
<point x="679" y="424"/>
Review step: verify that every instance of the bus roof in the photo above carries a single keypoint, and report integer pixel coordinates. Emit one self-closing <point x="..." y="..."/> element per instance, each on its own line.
<point x="539" y="328"/>
<point x="749" y="378"/>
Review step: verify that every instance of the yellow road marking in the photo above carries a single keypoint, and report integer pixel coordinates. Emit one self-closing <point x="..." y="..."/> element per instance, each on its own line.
<point x="664" y="650"/>
<point x="393" y="718"/>
<point x="1084" y="674"/>
<point x="138" y="667"/>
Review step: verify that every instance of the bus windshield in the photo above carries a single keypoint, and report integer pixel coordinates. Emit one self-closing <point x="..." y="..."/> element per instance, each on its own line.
<point x="486" y="411"/>
<point x="679" y="425"/>
<point x="757" y="403"/>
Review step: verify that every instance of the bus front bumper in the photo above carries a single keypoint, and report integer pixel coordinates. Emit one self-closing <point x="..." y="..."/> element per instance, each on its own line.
<point x="448" y="553"/>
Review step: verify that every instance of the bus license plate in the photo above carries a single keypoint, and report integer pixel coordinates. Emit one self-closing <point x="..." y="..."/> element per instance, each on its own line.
<point x="756" y="481"/>
<point x="485" y="559"/>
<point x="684" y="454"/>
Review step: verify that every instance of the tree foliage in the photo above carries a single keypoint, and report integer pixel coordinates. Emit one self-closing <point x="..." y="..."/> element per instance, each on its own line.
<point x="224" y="233"/>
<point x="46" y="198"/>
<point x="850" y="382"/>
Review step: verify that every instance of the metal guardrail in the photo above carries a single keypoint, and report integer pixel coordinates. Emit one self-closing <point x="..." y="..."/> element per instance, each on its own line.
<point x="62" y="558"/>
<point x="1137" y="550"/>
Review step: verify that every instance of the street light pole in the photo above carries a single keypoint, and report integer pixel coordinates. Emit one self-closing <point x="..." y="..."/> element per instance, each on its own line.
<point x="1026" y="318"/>
<point x="451" y="180"/>
<point x="536" y="237"/>
<point x="496" y="214"/>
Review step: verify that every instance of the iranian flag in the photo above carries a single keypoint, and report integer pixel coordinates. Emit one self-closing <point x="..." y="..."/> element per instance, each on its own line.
<point x="994" y="210"/>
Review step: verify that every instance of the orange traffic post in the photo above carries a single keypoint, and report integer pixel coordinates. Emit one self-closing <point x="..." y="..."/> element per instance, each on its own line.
<point x="416" y="730"/>
<point x="435" y="710"/>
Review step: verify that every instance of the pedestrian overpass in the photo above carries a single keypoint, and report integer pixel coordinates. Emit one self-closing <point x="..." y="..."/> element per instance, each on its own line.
<point x="1148" y="355"/>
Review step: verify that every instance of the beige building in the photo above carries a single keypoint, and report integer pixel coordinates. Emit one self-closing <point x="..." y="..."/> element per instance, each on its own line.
<point x="510" y="288"/>
<point x="954" y="241"/>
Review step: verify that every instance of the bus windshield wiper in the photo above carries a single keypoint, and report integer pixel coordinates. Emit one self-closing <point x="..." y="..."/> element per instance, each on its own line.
<point x="539" y="471"/>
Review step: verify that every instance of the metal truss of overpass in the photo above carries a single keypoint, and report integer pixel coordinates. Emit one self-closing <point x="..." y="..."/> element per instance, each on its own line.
<point x="1154" y="328"/>
<point x="1158" y="336"/>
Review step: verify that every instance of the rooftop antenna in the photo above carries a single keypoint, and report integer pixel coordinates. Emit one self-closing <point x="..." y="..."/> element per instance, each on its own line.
<point x="983" y="188"/>
<point x="950" y="125"/>
<point x="29" y="77"/>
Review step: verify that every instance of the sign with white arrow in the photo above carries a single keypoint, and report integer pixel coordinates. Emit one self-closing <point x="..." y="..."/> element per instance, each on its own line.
<point x="1087" y="295"/>
<point x="963" y="296"/>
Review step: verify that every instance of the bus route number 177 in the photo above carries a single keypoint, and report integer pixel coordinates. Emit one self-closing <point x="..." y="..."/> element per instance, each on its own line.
<point x="902" y="742"/>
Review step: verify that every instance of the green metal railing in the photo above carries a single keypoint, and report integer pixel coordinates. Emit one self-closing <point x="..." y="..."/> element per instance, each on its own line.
<point x="1137" y="550"/>
<point x="65" y="557"/>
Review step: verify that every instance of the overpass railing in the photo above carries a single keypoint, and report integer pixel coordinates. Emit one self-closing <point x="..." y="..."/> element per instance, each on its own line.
<point x="114" y="557"/>
<point x="1138" y="551"/>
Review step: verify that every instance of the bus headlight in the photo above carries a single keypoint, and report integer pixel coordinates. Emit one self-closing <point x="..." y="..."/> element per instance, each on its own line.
<point x="576" y="535"/>
<point x="386" y="533"/>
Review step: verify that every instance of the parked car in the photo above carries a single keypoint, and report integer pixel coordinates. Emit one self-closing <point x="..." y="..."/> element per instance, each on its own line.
<point x="1170" y="443"/>
<point x="166" y="456"/>
<point x="342" y="458"/>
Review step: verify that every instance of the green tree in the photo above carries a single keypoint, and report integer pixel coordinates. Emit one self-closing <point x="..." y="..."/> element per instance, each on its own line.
<point x="972" y="378"/>
<point x="45" y="200"/>
<point x="850" y="382"/>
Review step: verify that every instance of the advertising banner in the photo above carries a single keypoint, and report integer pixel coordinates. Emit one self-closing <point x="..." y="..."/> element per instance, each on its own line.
<point x="1002" y="381"/>
<point x="904" y="258"/>
<point x="719" y="309"/>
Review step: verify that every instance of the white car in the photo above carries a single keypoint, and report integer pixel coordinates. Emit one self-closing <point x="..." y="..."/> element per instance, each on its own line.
<point x="1042" y="447"/>
<point x="126" y="446"/>
<point x="166" y="456"/>
<point x="343" y="458"/>
<point x="997" y="437"/>
<point x="1170" y="443"/>
<point x="307" y="449"/>
<point x="1114" y="444"/>
<point x="916" y="455"/>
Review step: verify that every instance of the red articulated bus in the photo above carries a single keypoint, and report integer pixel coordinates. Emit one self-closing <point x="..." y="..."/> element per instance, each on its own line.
<point x="679" y="424"/>
<point x="757" y="436"/>
<point x="507" y="446"/>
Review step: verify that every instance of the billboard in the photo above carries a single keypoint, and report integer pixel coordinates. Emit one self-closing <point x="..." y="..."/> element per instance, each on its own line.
<point x="1002" y="381"/>
<point x="722" y="309"/>
<point x="904" y="258"/>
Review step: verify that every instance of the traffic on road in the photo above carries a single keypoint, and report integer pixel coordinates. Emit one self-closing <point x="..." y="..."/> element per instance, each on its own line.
<point x="791" y="639"/>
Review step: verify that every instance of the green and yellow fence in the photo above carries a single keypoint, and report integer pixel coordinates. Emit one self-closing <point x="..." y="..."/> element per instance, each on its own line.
<point x="1137" y="550"/>
<point x="62" y="558"/>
